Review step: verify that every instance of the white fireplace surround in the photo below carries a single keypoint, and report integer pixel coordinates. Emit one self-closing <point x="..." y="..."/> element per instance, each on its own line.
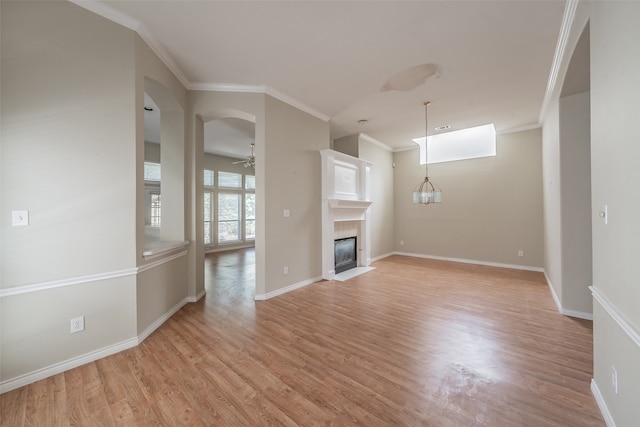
<point x="345" y="197"/>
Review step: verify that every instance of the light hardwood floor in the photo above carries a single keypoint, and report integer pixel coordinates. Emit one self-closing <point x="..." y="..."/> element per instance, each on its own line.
<point x="413" y="343"/>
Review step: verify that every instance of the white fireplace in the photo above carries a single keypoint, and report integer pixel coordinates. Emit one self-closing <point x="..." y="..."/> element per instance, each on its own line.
<point x="345" y="209"/>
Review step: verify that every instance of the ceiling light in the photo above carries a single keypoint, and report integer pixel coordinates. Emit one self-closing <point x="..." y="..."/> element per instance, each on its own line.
<point x="249" y="161"/>
<point x="425" y="192"/>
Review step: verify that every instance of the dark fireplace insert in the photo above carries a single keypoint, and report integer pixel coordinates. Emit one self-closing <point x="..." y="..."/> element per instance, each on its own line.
<point x="345" y="254"/>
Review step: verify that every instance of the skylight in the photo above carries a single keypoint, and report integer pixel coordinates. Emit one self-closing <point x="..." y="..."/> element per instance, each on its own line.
<point x="471" y="143"/>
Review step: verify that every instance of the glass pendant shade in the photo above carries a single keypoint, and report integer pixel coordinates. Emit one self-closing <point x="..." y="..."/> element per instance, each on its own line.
<point x="426" y="193"/>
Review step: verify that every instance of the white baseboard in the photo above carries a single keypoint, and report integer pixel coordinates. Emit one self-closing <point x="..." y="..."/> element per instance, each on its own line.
<point x="74" y="362"/>
<point x="293" y="287"/>
<point x="577" y="314"/>
<point x="198" y="297"/>
<point x="608" y="419"/>
<point x="472" y="261"/>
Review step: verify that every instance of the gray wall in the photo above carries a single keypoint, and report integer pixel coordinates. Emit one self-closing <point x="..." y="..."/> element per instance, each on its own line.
<point x="492" y="207"/>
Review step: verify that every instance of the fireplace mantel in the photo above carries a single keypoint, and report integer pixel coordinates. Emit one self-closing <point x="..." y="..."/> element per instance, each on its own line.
<point x="345" y="197"/>
<point x="349" y="204"/>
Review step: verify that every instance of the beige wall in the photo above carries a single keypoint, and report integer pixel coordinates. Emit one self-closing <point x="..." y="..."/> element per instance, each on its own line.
<point x="552" y="201"/>
<point x="615" y="65"/>
<point x="615" y="90"/>
<point x="492" y="207"/>
<point x="382" y="198"/>
<point x="72" y="152"/>
<point x="75" y="172"/>
<point x="575" y="183"/>
<point x="292" y="181"/>
<point x="58" y="150"/>
<point x="160" y="289"/>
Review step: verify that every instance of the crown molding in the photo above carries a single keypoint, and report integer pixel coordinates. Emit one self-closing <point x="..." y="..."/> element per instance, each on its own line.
<point x="227" y="87"/>
<point x="374" y="141"/>
<point x="109" y="13"/>
<point x="162" y="53"/>
<point x="295" y="103"/>
<point x="561" y="46"/>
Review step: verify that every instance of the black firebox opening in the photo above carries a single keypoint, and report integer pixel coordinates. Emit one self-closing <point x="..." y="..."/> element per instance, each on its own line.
<point x="345" y="254"/>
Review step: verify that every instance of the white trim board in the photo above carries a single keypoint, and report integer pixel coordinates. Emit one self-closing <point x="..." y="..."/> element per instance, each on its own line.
<point x="38" y="287"/>
<point x="618" y="317"/>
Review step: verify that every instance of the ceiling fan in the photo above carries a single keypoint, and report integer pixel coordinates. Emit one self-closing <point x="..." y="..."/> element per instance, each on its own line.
<point x="249" y="161"/>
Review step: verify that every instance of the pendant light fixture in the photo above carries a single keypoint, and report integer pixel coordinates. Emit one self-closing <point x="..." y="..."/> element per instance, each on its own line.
<point x="425" y="192"/>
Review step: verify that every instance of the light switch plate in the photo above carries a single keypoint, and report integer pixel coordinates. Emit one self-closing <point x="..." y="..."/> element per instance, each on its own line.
<point x="19" y="218"/>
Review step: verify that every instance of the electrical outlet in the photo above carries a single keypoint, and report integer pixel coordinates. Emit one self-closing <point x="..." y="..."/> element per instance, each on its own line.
<point x="614" y="379"/>
<point x="77" y="324"/>
<point x="520" y="252"/>
<point x="401" y="242"/>
<point x="19" y="218"/>
<point x="285" y="270"/>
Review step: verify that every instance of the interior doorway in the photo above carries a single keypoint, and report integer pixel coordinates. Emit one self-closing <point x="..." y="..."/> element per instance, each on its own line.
<point x="229" y="201"/>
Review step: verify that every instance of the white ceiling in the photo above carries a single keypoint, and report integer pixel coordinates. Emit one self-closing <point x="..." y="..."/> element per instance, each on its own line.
<point x="491" y="59"/>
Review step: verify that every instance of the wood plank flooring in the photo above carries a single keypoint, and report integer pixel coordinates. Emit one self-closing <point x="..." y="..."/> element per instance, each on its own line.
<point x="413" y="343"/>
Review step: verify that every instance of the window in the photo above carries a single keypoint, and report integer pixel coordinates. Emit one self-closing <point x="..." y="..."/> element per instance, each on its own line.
<point x="155" y="209"/>
<point x="229" y="208"/>
<point x="249" y="182"/>
<point x="229" y="180"/>
<point x="208" y="178"/>
<point x="229" y="215"/>
<point x="208" y="218"/>
<point x="250" y="216"/>
<point x="471" y="143"/>
<point x="151" y="171"/>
